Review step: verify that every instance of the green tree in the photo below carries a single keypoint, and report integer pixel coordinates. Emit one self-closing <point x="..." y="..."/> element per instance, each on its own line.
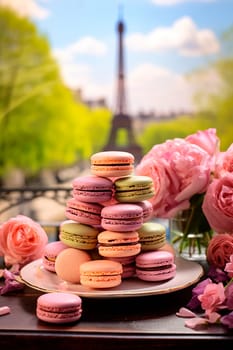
<point x="41" y="125"/>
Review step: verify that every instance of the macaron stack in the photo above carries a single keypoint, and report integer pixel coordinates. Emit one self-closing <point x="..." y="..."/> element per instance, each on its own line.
<point x="107" y="224"/>
<point x="106" y="236"/>
<point x="125" y="212"/>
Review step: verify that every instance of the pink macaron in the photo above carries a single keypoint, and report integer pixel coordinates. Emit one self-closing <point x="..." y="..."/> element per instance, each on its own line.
<point x="155" y="266"/>
<point x="83" y="212"/>
<point x="59" y="307"/>
<point x="51" y="251"/>
<point x="128" y="265"/>
<point x="92" y="189"/>
<point x="122" y="217"/>
<point x="147" y="209"/>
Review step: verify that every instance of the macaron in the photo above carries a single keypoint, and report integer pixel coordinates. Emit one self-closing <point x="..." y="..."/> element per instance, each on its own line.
<point x="77" y="235"/>
<point x="134" y="188"/>
<point x="51" y="251"/>
<point x="101" y="274"/>
<point x="85" y="213"/>
<point x="122" y="217"/>
<point x="147" y="209"/>
<point x="168" y="247"/>
<point x="112" y="163"/>
<point x="92" y="189"/>
<point x="59" y="307"/>
<point x="155" y="266"/>
<point x="118" y="244"/>
<point x="152" y="235"/>
<point x="67" y="264"/>
<point x="128" y="265"/>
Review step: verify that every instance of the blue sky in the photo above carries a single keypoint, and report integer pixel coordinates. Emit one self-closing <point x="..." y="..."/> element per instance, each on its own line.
<point x="164" y="40"/>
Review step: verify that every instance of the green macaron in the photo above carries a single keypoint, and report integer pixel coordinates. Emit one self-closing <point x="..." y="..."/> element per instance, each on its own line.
<point x="77" y="235"/>
<point x="133" y="188"/>
<point x="152" y="236"/>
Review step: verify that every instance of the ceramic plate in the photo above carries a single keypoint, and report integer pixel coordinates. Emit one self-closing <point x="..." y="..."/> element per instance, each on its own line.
<point x="188" y="273"/>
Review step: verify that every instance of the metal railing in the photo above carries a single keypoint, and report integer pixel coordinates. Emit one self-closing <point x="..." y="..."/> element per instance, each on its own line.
<point x="16" y="197"/>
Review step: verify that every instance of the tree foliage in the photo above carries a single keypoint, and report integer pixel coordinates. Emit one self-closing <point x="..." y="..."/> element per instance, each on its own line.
<point x="41" y="125"/>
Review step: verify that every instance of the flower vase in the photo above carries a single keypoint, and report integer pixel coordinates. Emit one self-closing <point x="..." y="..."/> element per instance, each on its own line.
<point x="190" y="234"/>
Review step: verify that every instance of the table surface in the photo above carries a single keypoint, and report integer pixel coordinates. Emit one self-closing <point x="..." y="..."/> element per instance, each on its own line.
<point x="125" y="323"/>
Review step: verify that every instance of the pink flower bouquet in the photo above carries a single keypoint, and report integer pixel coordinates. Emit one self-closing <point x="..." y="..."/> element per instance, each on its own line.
<point x="194" y="177"/>
<point x="192" y="174"/>
<point x="182" y="171"/>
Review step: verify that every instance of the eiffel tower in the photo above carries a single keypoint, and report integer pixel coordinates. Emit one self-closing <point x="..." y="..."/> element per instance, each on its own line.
<point x="121" y="120"/>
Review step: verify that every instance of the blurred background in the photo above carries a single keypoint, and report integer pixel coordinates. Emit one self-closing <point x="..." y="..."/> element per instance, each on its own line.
<point x="60" y="62"/>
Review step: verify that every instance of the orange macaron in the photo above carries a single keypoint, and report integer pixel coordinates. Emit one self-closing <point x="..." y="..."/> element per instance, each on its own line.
<point x="101" y="274"/>
<point x="112" y="163"/>
<point x="118" y="244"/>
<point x="67" y="264"/>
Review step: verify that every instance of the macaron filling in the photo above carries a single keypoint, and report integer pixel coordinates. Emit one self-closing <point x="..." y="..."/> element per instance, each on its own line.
<point x="73" y="210"/>
<point x="155" y="268"/>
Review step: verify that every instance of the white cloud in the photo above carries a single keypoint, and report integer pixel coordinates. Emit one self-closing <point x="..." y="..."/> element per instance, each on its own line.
<point x="205" y="82"/>
<point x="79" y="75"/>
<point x="88" y="46"/>
<point x="26" y="8"/>
<point x="76" y="74"/>
<point x="84" y="46"/>
<point x="183" y="36"/>
<point x="154" y="88"/>
<point x="175" y="2"/>
<point x="148" y="87"/>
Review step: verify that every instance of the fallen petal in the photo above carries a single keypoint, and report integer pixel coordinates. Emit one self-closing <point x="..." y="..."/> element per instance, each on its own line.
<point x="214" y="317"/>
<point x="4" y="310"/>
<point x="184" y="312"/>
<point x="196" y="322"/>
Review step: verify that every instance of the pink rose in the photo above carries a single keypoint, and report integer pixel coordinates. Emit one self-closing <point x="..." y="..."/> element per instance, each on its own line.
<point x="212" y="297"/>
<point x="229" y="267"/>
<point x="179" y="170"/>
<point x="219" y="250"/>
<point x="22" y="240"/>
<point x="208" y="140"/>
<point x="229" y="296"/>
<point x="218" y="204"/>
<point x="224" y="163"/>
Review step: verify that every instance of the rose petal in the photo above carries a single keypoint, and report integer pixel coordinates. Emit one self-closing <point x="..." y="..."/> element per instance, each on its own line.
<point x="196" y="322"/>
<point x="214" y="317"/>
<point x="4" y="310"/>
<point x="184" y="312"/>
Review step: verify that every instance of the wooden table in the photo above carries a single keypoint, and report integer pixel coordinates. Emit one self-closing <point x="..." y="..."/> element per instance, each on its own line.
<point x="126" y="323"/>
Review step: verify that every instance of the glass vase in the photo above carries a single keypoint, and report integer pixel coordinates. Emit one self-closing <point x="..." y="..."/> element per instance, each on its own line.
<point x="190" y="234"/>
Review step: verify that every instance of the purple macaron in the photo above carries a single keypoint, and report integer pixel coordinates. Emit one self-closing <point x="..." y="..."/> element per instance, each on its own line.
<point x="155" y="266"/>
<point x="122" y="217"/>
<point x="147" y="209"/>
<point x="92" y="189"/>
<point x="83" y="212"/>
<point x="51" y="251"/>
<point x="59" y="307"/>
